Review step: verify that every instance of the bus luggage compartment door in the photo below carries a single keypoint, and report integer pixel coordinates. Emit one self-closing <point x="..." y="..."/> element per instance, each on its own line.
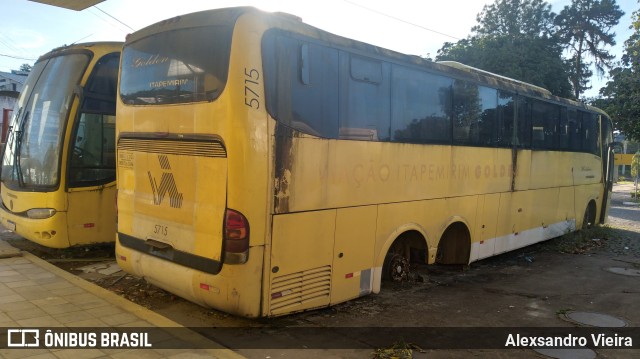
<point x="172" y="196"/>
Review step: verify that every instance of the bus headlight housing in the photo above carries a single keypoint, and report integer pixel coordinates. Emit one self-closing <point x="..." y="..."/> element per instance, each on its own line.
<point x="40" y="213"/>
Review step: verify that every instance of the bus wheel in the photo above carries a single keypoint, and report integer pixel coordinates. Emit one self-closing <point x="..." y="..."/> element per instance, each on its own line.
<point x="589" y="216"/>
<point x="455" y="245"/>
<point x="396" y="267"/>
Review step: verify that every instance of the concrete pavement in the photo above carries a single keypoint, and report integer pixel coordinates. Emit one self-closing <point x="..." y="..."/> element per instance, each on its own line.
<point x="36" y="294"/>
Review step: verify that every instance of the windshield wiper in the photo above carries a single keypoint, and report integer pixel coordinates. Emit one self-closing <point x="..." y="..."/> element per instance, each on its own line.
<point x="18" y="148"/>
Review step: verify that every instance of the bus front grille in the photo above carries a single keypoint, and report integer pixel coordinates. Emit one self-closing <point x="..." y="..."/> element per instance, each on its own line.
<point x="300" y="290"/>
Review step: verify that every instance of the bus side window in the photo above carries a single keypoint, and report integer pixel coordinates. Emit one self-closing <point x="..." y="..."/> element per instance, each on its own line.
<point x="305" y="76"/>
<point x="574" y="128"/>
<point x="523" y="125"/>
<point x="590" y="133"/>
<point x="93" y="152"/>
<point x="420" y="106"/>
<point x="563" y="130"/>
<point x="506" y="119"/>
<point x="475" y="112"/>
<point x="100" y="91"/>
<point x="545" y="122"/>
<point x="301" y="81"/>
<point x="367" y="113"/>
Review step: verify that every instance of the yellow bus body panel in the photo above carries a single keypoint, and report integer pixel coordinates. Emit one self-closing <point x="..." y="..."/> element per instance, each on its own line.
<point x="91" y="218"/>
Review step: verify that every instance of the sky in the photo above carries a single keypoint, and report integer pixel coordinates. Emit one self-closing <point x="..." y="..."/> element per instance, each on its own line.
<point x="414" y="27"/>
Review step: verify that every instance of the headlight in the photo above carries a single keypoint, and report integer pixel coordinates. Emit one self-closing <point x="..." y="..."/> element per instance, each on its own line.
<point x="40" y="213"/>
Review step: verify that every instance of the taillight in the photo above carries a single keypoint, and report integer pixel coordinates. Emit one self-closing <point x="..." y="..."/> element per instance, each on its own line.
<point x="236" y="237"/>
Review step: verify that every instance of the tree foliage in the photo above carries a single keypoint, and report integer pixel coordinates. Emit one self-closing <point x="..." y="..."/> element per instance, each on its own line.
<point x="516" y="19"/>
<point x="525" y="40"/>
<point x="514" y="38"/>
<point x="25" y="67"/>
<point x="585" y="27"/>
<point x="621" y="95"/>
<point x="537" y="61"/>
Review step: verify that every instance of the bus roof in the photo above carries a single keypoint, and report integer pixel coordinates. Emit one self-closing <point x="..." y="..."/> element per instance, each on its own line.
<point x="115" y="45"/>
<point x="228" y="16"/>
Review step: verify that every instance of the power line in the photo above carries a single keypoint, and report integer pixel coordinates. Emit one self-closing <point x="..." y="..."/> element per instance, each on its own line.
<point x="16" y="57"/>
<point x="104" y="12"/>
<point x="6" y="41"/>
<point x="401" y="20"/>
<point x="108" y="21"/>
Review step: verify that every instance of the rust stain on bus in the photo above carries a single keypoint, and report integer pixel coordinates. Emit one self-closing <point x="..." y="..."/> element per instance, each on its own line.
<point x="283" y="164"/>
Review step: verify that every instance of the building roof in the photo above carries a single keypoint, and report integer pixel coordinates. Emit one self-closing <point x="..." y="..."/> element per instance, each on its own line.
<point x="14" y="77"/>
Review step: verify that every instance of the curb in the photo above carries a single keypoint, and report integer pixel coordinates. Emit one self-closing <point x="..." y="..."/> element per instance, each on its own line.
<point x="135" y="309"/>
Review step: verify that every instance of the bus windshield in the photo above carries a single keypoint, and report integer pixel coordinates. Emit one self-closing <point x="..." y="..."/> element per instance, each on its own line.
<point x="180" y="66"/>
<point x="32" y="155"/>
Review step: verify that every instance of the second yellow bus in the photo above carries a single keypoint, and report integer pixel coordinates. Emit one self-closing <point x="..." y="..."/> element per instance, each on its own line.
<point x="58" y="166"/>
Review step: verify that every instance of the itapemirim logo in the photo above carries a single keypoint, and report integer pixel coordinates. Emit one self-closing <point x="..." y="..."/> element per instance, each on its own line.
<point x="167" y="185"/>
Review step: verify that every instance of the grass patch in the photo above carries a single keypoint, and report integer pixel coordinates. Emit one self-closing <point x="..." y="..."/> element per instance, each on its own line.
<point x="563" y="311"/>
<point x="581" y="241"/>
<point x="399" y="350"/>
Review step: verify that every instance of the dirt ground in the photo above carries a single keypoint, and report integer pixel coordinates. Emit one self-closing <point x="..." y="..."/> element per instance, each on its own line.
<point x="530" y="287"/>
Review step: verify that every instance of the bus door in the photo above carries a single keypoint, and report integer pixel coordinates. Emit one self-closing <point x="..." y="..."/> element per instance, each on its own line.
<point x="608" y="184"/>
<point x="91" y="166"/>
<point x="608" y="166"/>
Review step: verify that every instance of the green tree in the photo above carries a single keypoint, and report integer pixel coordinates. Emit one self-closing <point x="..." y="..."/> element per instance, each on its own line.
<point x="514" y="38"/>
<point x="585" y="28"/>
<point x="515" y="18"/>
<point x="25" y="67"/>
<point x="621" y="95"/>
<point x="537" y="61"/>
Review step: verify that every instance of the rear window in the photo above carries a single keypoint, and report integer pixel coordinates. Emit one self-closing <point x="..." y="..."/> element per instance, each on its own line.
<point x="181" y="66"/>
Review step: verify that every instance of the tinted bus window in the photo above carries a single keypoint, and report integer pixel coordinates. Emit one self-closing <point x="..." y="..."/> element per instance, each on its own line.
<point x="366" y="116"/>
<point x="574" y="128"/>
<point x="100" y="91"/>
<point x="523" y="125"/>
<point x="562" y="132"/>
<point x="545" y="120"/>
<point x="506" y="119"/>
<point x="180" y="66"/>
<point x="421" y="107"/>
<point x="302" y="95"/>
<point x="474" y="110"/>
<point x="590" y="133"/>
<point x="94" y="152"/>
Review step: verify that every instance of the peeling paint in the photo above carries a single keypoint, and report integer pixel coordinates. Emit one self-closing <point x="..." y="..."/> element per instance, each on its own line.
<point x="284" y="163"/>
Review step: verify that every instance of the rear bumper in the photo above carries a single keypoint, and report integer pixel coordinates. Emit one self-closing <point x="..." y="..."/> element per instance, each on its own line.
<point x="235" y="289"/>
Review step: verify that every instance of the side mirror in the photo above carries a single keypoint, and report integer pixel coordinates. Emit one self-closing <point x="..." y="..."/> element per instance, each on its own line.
<point x="616" y="146"/>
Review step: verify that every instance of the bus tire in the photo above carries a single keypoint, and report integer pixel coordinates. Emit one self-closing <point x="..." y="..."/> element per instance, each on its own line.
<point x="589" y="216"/>
<point x="395" y="268"/>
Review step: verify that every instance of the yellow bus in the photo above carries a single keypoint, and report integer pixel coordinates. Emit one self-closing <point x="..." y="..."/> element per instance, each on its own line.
<point x="267" y="167"/>
<point x="58" y="167"/>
